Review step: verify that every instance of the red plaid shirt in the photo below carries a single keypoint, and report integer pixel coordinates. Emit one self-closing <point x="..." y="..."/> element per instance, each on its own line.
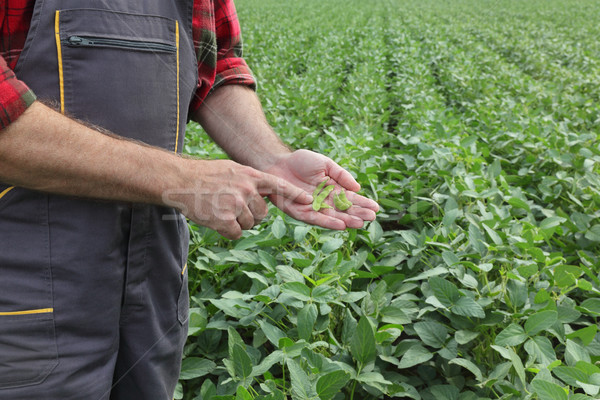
<point x="214" y="21"/>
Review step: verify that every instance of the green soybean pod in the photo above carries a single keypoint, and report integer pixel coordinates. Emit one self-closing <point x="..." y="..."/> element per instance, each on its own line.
<point x="341" y="202"/>
<point x="318" y="201"/>
<point x="318" y="189"/>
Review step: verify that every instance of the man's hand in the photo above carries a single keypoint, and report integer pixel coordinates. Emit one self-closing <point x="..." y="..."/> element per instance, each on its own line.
<point x="306" y="169"/>
<point x="228" y="197"/>
<point x="233" y="117"/>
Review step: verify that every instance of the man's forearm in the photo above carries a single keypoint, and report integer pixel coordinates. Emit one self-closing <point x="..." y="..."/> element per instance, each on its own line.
<point x="44" y="150"/>
<point x="233" y="117"/>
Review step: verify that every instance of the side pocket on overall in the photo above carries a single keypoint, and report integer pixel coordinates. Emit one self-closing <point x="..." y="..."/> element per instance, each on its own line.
<point x="183" y="301"/>
<point x="28" y="351"/>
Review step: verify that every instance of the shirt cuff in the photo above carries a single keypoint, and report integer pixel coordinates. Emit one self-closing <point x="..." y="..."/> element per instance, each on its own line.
<point x="15" y="96"/>
<point x="230" y="71"/>
<point x="233" y="71"/>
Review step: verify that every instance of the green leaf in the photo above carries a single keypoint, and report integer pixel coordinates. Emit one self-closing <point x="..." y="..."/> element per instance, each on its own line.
<point x="566" y="275"/>
<point x="324" y="294"/>
<point x="297" y="289"/>
<point x="178" y="395"/>
<point x="575" y="353"/>
<point x="233" y="339"/>
<point x="527" y="271"/>
<point x="332" y="245"/>
<point x="331" y="383"/>
<point x="541" y="297"/>
<point x="194" y="367"/>
<point x="469" y="365"/>
<point x="589" y="388"/>
<point x="540" y="321"/>
<point x="274" y="358"/>
<point x="242" y="394"/>
<point x="445" y="392"/>
<point x="431" y="333"/>
<point x="306" y="321"/>
<point x="579" y="396"/>
<point x="348" y="327"/>
<point x="586" y="334"/>
<point x="392" y="204"/>
<point x="208" y="390"/>
<point x="257" y="277"/>
<point x="394" y="315"/>
<point x="587" y="367"/>
<point x="375" y="232"/>
<point x="548" y="390"/>
<point x="464" y="336"/>
<point x="551" y="222"/>
<point x="289" y="274"/>
<point x="540" y="348"/>
<point x="197" y="321"/>
<point x="415" y="355"/>
<point x="493" y="235"/>
<point x="467" y="307"/>
<point x="446" y="292"/>
<point x="241" y="363"/>
<point x="516" y="362"/>
<point x="512" y="335"/>
<point x="362" y="345"/>
<point x="427" y="274"/>
<point x="518" y="203"/>
<point x="570" y="375"/>
<point x="592" y="306"/>
<point x="300" y="232"/>
<point x="278" y="228"/>
<point x="450" y="258"/>
<point x="517" y="293"/>
<point x="235" y="308"/>
<point x="370" y="378"/>
<point x="450" y="216"/>
<point x="301" y="388"/>
<point x="517" y="365"/>
<point x="593" y="234"/>
<point x="272" y="333"/>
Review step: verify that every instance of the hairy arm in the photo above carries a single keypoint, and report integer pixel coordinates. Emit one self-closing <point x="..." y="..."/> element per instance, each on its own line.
<point x="44" y="150"/>
<point x="233" y="117"/>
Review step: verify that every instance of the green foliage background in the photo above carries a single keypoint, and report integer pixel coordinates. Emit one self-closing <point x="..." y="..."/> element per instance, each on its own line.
<point x="475" y="125"/>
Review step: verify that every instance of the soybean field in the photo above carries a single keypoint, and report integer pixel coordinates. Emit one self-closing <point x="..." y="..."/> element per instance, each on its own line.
<point x="474" y="124"/>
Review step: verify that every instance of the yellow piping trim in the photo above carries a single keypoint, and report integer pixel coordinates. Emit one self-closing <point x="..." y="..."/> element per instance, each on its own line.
<point x="60" y="63"/>
<point x="28" y="312"/>
<point x="177" y="44"/>
<point x="184" y="268"/>
<point x="6" y="191"/>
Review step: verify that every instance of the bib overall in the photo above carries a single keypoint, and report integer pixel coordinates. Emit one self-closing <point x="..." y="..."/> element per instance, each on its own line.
<point x="93" y="295"/>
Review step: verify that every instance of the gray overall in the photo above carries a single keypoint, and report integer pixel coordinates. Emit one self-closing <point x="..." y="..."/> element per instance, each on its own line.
<point x="93" y="295"/>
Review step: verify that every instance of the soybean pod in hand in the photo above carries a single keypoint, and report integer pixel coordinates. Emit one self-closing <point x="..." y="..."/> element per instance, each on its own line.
<point x="320" y="198"/>
<point x="341" y="202"/>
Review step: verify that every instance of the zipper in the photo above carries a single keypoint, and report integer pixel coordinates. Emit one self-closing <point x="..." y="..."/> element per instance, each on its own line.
<point x="94" y="41"/>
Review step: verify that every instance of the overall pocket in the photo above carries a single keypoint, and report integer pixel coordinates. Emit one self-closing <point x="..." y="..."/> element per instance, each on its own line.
<point x="183" y="300"/>
<point x="28" y="351"/>
<point x="120" y="71"/>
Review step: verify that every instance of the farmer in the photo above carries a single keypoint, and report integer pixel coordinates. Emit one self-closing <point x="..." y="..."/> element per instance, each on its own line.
<point x="93" y="239"/>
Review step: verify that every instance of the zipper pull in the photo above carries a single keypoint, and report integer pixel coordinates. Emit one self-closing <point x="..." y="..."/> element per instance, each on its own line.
<point x="77" y="41"/>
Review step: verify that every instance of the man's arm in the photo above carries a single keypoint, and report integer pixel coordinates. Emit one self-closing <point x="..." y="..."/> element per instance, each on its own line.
<point x="232" y="115"/>
<point x="44" y="150"/>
